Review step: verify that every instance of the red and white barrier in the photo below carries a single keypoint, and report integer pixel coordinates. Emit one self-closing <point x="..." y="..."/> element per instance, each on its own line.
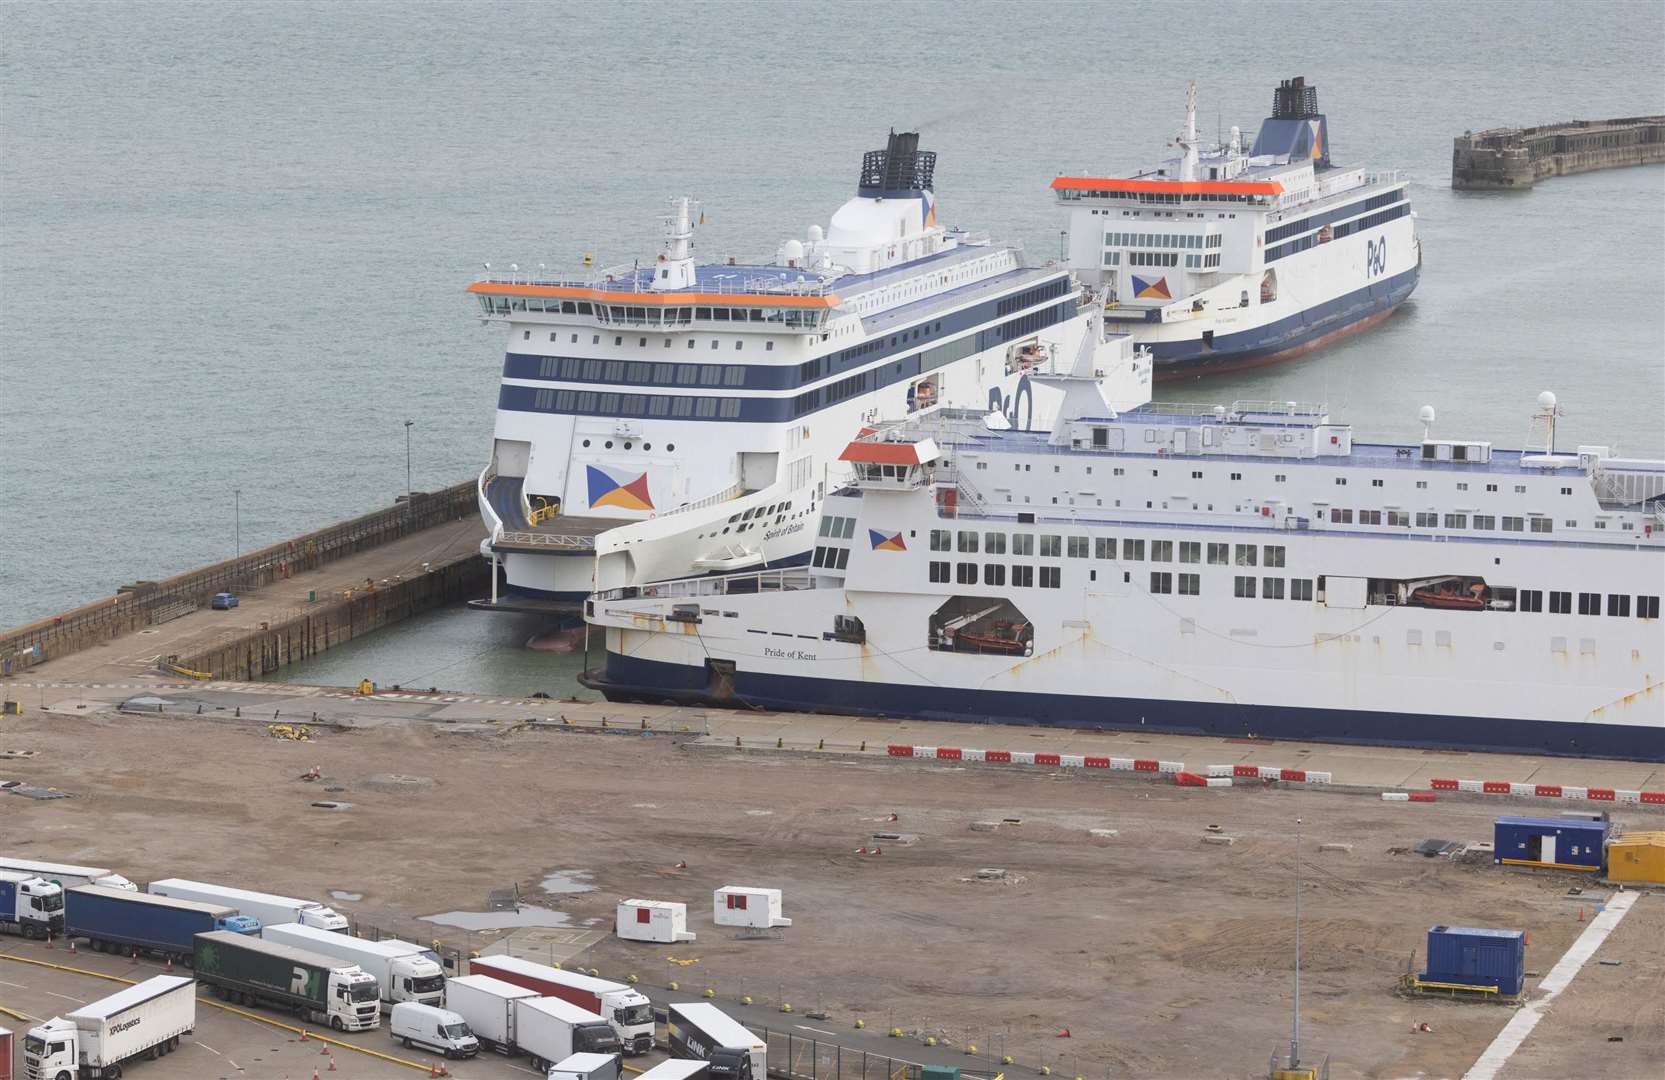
<point x="1260" y="773"/>
<point x="1035" y="757"/>
<point x="1547" y="791"/>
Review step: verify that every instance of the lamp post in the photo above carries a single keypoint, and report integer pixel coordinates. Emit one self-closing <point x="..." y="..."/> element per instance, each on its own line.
<point x="237" y="538"/>
<point x="408" y="424"/>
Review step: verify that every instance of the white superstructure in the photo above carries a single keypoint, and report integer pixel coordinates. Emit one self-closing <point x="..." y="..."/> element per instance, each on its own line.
<point x="1229" y="257"/>
<point x="710" y="401"/>
<point x="1242" y="571"/>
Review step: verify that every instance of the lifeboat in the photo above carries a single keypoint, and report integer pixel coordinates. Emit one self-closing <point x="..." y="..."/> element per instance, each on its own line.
<point x="1448" y="598"/>
<point x="1004" y="637"/>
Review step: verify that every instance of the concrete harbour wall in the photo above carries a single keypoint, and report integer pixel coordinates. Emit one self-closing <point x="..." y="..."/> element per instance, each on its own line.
<point x="1505" y="159"/>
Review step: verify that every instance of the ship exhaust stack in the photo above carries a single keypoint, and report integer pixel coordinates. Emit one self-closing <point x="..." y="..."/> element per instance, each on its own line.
<point x="901" y="168"/>
<point x="1296" y="129"/>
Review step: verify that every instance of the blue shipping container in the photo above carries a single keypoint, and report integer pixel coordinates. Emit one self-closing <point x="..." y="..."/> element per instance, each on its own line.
<point x="138" y="920"/>
<point x="1563" y="843"/>
<point x="1475" y="957"/>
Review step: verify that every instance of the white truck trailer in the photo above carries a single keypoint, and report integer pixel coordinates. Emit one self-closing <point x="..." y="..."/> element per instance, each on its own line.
<point x="587" y="1067"/>
<point x="488" y="1007"/>
<point x="698" y="1029"/>
<point x="403" y="971"/>
<point x="67" y="874"/>
<point x="624" y="1007"/>
<point x="97" y="1041"/>
<point x="270" y="909"/>
<point x="678" y="1069"/>
<point x="552" y="1030"/>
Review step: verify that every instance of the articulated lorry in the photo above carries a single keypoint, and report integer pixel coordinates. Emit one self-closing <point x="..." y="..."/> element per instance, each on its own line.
<point x="98" y="1041"/>
<point x="403" y="972"/>
<point x="68" y="874"/>
<point x="30" y="905"/>
<point x="115" y="920"/>
<point x="315" y="987"/>
<point x="700" y="1030"/>
<point x="487" y="1005"/>
<point x="622" y="1006"/>
<point x="270" y="909"/>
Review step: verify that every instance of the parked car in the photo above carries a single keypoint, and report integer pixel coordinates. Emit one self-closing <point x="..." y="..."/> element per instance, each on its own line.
<point x="223" y="601"/>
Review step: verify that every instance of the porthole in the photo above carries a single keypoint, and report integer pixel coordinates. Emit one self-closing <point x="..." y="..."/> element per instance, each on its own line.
<point x="647" y="446"/>
<point x="586" y="442"/>
<point x="670" y="447"/>
<point x="609" y="444"/>
<point x="627" y="446"/>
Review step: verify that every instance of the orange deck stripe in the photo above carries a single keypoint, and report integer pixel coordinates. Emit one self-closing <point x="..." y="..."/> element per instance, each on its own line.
<point x="1168" y="187"/>
<point x="606" y="296"/>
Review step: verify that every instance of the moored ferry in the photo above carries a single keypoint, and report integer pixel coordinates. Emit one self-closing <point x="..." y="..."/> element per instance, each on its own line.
<point x="1249" y="571"/>
<point x="1227" y="258"/>
<point x="702" y="406"/>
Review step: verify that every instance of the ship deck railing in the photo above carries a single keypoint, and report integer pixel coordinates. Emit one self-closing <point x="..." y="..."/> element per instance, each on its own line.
<point x="748" y="583"/>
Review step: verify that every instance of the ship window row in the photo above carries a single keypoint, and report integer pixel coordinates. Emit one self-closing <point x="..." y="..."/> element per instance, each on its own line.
<point x="1618" y="605"/>
<point x="608" y="403"/>
<point x="1162" y="240"/>
<point x="1153" y="258"/>
<point x="830" y="558"/>
<point x="1247" y="587"/>
<point x="1058" y="545"/>
<point x="1051" y="290"/>
<point x="575" y="368"/>
<point x="655" y="316"/>
<point x="1273" y="254"/>
<point x="1317" y="221"/>
<point x="1202" y="262"/>
<point x="1163" y="198"/>
<point x="1431" y="519"/>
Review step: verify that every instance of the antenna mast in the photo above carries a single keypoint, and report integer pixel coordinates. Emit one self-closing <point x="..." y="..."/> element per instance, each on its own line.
<point x="1295" y="1030"/>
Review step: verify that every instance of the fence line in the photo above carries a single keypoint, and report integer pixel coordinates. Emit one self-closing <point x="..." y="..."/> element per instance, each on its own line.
<point x="147" y="602"/>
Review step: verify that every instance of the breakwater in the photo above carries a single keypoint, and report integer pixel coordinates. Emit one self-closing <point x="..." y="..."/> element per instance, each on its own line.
<point x="166" y="607"/>
<point x="1516" y="158"/>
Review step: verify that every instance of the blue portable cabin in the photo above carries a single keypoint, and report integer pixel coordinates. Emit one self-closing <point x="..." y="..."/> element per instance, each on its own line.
<point x="1560" y="843"/>
<point x="1469" y="956"/>
<point x="117" y="919"/>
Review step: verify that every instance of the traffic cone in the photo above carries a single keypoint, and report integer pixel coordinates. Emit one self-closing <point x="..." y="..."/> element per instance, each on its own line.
<point x="303" y="1034"/>
<point x="72" y="946"/>
<point x="170" y="962"/>
<point x="1063" y="1034"/>
<point x="332" y="1064"/>
<point x="49" y="939"/>
<point x="315" y="1075"/>
<point x="1581" y="913"/>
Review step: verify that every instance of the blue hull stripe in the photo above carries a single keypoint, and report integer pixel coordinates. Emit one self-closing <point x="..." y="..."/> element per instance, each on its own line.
<point x="1290" y="332"/>
<point x="654" y="680"/>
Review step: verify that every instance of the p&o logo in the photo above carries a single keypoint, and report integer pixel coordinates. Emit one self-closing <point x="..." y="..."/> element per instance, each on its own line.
<point x="1375" y="257"/>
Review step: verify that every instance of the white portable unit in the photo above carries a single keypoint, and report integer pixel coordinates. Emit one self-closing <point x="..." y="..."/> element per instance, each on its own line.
<point x="653" y="920"/>
<point x="741" y="905"/>
<point x="488" y="1007"/>
<point x="403" y="971"/>
<point x="270" y="909"/>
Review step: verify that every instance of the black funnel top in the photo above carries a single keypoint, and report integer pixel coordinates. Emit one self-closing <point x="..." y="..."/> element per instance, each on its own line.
<point x="900" y="168"/>
<point x="1294" y="100"/>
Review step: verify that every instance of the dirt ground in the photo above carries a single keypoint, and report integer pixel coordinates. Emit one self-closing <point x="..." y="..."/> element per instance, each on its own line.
<point x="1162" y="955"/>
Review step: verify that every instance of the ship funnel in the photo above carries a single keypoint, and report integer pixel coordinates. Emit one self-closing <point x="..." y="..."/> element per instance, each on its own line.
<point x="899" y="169"/>
<point x="1296" y="129"/>
<point x="1294" y="100"/>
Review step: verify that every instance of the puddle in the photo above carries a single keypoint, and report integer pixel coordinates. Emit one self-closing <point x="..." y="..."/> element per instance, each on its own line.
<point x="759" y="813"/>
<point x="644" y="806"/>
<point x="564" y="882"/>
<point x="148" y="700"/>
<point x="342" y="894"/>
<point x="501" y="920"/>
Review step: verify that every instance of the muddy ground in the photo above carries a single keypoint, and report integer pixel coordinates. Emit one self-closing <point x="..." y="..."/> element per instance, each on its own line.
<point x="1162" y="955"/>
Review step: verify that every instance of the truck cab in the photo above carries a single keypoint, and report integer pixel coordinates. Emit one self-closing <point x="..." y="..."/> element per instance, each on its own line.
<point x="354" y="1000"/>
<point x="730" y="1063"/>
<point x="631" y="1015"/>
<point x="239" y="924"/>
<point x="31" y="905"/>
<point x="51" y="1050"/>
<point x="416" y="978"/>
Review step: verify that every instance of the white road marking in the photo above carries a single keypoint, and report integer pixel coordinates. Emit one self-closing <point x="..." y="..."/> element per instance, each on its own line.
<point x="1515" y="1032"/>
<point x="66" y="997"/>
<point x="818" y="1031"/>
<point x="18" y="986"/>
<point x="524" y="1069"/>
<point x="208" y="1048"/>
